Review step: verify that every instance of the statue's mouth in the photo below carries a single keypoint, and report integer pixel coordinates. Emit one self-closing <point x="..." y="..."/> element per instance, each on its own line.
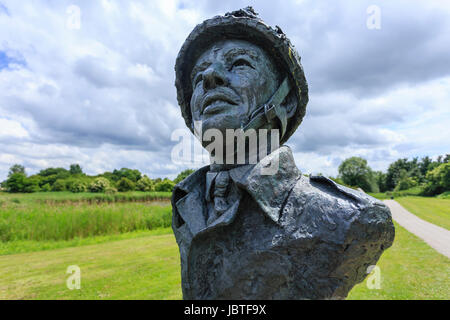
<point x="214" y="102"/>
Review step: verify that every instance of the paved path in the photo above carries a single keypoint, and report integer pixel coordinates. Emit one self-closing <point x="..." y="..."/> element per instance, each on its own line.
<point x="437" y="237"/>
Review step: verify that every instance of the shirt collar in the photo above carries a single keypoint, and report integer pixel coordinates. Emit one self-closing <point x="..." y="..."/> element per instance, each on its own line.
<point x="269" y="191"/>
<point x="269" y="188"/>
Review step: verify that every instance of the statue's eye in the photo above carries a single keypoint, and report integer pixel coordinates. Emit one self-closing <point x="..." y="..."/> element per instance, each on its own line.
<point x="241" y="63"/>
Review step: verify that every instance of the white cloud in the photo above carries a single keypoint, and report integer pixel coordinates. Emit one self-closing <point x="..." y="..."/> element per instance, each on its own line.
<point x="104" y="96"/>
<point x="11" y="129"/>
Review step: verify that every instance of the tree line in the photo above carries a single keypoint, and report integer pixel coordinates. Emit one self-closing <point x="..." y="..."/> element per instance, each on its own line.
<point x="432" y="177"/>
<point x="75" y="180"/>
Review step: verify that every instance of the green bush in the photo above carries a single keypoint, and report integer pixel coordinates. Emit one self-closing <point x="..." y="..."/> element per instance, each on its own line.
<point x="77" y="186"/>
<point x="165" y="185"/>
<point x="183" y="175"/>
<point x="59" y="185"/>
<point x="438" y="180"/>
<point x="99" y="185"/>
<point x="444" y="195"/>
<point x="125" y="184"/>
<point x="405" y="183"/>
<point x="110" y="190"/>
<point x="355" y="171"/>
<point x="145" y="184"/>
<point x="16" y="182"/>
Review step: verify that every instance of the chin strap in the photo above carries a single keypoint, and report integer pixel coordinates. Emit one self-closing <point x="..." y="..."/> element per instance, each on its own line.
<point x="272" y="109"/>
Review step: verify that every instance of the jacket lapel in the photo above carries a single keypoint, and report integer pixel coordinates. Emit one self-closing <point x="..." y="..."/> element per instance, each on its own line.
<point x="269" y="191"/>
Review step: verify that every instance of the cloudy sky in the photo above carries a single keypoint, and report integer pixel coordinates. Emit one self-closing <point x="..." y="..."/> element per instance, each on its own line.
<point x="101" y="92"/>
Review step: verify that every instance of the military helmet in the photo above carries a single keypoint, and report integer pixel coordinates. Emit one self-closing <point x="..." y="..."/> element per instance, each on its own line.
<point x="243" y="24"/>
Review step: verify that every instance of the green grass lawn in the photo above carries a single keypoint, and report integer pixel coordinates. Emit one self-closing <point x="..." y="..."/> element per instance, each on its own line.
<point x="147" y="267"/>
<point x="414" y="191"/>
<point x="410" y="269"/>
<point x="433" y="210"/>
<point x="140" y="268"/>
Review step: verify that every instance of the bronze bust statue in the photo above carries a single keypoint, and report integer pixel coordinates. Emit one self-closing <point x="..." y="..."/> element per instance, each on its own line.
<point x="244" y="234"/>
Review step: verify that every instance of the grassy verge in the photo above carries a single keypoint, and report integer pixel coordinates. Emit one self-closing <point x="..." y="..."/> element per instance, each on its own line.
<point x="140" y="268"/>
<point x="24" y="246"/>
<point x="415" y="191"/>
<point x="147" y="267"/>
<point x="69" y="197"/>
<point x="434" y="210"/>
<point x="43" y="222"/>
<point x="410" y="269"/>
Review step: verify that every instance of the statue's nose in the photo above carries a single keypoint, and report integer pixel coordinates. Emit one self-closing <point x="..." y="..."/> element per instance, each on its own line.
<point x="214" y="77"/>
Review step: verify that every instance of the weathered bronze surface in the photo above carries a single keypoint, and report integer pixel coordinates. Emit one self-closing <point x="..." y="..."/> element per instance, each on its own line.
<point x="244" y="234"/>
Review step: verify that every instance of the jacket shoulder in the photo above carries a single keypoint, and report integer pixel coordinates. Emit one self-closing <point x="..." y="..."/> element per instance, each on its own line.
<point x="318" y="206"/>
<point x="330" y="187"/>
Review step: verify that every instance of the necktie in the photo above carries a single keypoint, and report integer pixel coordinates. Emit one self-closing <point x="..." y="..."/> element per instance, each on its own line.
<point x="217" y="189"/>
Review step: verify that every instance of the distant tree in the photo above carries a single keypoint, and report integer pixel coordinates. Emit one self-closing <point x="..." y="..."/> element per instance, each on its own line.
<point x="99" y="185"/>
<point x="354" y="171"/>
<point x="133" y="175"/>
<point x="394" y="171"/>
<point x="50" y="175"/>
<point x="438" y="180"/>
<point x="125" y="184"/>
<point x="77" y="186"/>
<point x="75" y="169"/>
<point x="405" y="182"/>
<point x="164" y="185"/>
<point x="424" y="165"/>
<point x="145" y="184"/>
<point x="61" y="172"/>
<point x="183" y="175"/>
<point x="59" y="185"/>
<point x="380" y="179"/>
<point x="32" y="184"/>
<point x="16" y="182"/>
<point x="17" y="168"/>
<point x="157" y="180"/>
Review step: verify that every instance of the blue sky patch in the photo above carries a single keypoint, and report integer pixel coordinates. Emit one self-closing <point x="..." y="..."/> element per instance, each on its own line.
<point x="6" y="60"/>
<point x="4" y="9"/>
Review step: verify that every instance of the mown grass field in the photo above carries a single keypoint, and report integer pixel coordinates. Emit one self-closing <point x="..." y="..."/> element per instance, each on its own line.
<point x="434" y="210"/>
<point x="123" y="256"/>
<point x="146" y="267"/>
<point x="410" y="270"/>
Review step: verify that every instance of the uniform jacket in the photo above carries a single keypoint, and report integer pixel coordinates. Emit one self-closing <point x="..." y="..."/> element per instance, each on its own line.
<point x="287" y="236"/>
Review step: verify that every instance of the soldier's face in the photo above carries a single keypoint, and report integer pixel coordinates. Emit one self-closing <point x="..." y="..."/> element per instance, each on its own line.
<point x="230" y="80"/>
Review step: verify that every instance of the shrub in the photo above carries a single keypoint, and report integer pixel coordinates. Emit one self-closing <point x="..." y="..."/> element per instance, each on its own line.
<point x="438" y="180"/>
<point x="125" y="184"/>
<point x="183" y="175"/>
<point x="110" y="190"/>
<point x="99" y="185"/>
<point x="16" y="182"/>
<point x="405" y="183"/>
<point x="165" y="185"/>
<point x="59" y="185"/>
<point x="145" y="184"/>
<point x="355" y="171"/>
<point x="46" y="188"/>
<point x="77" y="186"/>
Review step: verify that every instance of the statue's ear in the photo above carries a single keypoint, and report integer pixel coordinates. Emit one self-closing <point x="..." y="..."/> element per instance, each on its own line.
<point x="290" y="103"/>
